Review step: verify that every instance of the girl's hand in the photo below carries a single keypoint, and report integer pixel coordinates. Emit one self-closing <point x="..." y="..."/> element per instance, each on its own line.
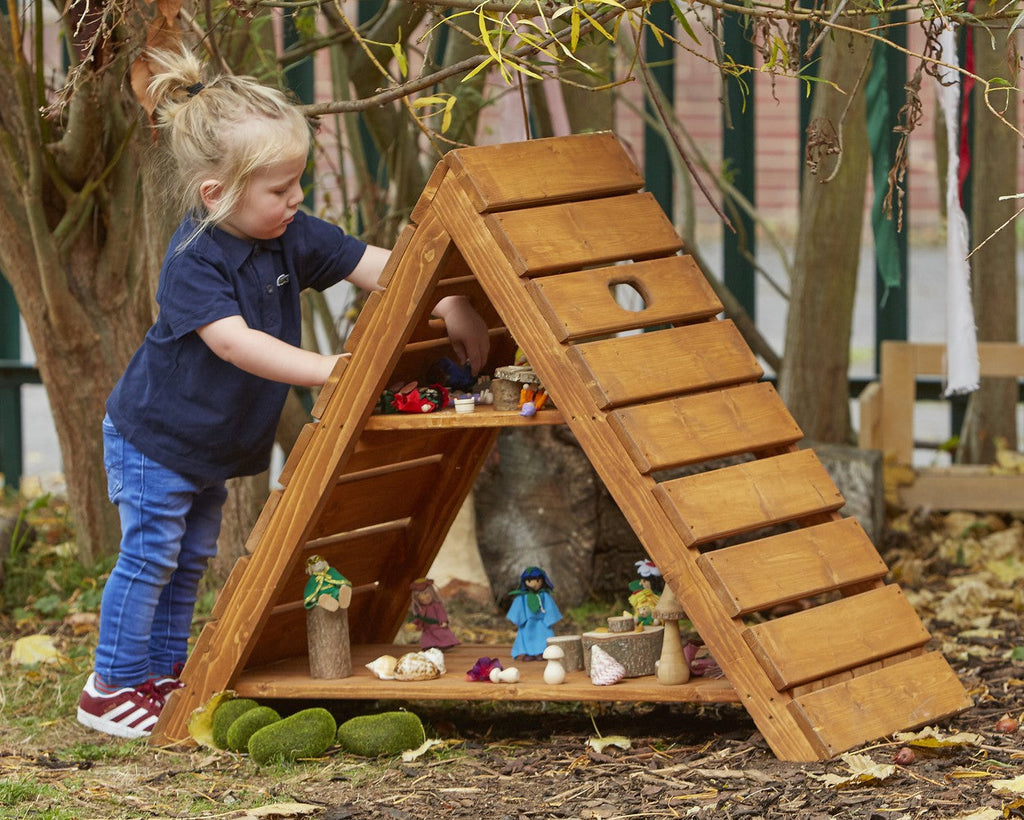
<point x="466" y="330"/>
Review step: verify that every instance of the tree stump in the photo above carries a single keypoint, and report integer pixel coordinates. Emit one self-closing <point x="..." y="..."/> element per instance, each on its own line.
<point x="330" y="653"/>
<point x="636" y="651"/>
<point x="572" y="646"/>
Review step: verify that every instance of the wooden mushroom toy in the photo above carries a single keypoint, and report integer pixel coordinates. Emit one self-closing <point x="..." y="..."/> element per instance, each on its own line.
<point x="554" y="672"/>
<point x="672" y="666"/>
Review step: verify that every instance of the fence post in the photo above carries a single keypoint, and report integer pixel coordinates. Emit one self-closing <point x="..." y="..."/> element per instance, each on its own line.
<point x="11" y="463"/>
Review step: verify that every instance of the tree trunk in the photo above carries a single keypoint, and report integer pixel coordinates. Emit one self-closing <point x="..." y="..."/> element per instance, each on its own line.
<point x="536" y="506"/>
<point x="813" y="381"/>
<point x="81" y="267"/>
<point x="991" y="411"/>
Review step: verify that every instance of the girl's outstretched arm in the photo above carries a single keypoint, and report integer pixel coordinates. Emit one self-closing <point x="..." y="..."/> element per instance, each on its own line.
<point x="466" y="329"/>
<point x="264" y="355"/>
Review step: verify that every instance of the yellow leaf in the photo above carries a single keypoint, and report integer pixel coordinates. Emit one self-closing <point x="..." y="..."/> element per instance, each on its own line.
<point x="423" y="102"/>
<point x="200" y="722"/>
<point x="1009" y="787"/>
<point x="33" y="649"/>
<point x="932" y="738"/>
<point x="599" y="744"/>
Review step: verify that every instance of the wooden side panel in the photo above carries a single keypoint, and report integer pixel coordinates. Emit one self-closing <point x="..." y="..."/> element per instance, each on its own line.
<point x="544" y="170"/>
<point x="582" y="303"/>
<point x="782" y="568"/>
<point x="364" y="321"/>
<point x="666" y="362"/>
<point x="744" y="497"/>
<point x="263" y="521"/>
<point x="576" y="235"/>
<point x="327" y="390"/>
<point x="230" y="587"/>
<point x="897" y="697"/>
<point x="298" y="448"/>
<point x="840" y="635"/>
<point x="748" y="418"/>
<point x="433" y="183"/>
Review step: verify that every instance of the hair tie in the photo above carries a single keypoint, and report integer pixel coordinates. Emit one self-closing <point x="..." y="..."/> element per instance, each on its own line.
<point x="194" y="89"/>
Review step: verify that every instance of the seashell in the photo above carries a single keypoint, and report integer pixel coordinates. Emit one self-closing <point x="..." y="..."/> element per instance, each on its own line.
<point x="604" y="669"/>
<point x="436" y="657"/>
<point x="417" y="666"/>
<point x="383" y="667"/>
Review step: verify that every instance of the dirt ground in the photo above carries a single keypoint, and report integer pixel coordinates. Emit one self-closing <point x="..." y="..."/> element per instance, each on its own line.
<point x="612" y="762"/>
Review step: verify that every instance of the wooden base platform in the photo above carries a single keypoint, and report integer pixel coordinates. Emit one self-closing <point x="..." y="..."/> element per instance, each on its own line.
<point x="290" y="679"/>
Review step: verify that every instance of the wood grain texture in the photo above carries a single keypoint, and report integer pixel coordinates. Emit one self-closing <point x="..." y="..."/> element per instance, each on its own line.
<point x="839" y="635"/>
<point x="779" y="569"/>
<point x="747" y="418"/>
<point x="746" y="497"/>
<point x="577" y="235"/>
<point x="582" y="304"/>
<point x="899" y="697"/>
<point x="544" y="171"/>
<point x="669" y="362"/>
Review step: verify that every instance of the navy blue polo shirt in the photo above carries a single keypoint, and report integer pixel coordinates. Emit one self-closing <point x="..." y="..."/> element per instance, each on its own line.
<point x="178" y="402"/>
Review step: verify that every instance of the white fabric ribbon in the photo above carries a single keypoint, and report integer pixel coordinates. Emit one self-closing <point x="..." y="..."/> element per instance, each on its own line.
<point x="962" y="366"/>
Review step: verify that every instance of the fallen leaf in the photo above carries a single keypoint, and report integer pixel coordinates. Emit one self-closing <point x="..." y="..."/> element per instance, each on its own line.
<point x="1008" y="788"/>
<point x="200" y="722"/>
<point x="932" y="738"/>
<point x="862" y="770"/>
<point x="33" y="649"/>
<point x="411" y="754"/>
<point x="599" y="744"/>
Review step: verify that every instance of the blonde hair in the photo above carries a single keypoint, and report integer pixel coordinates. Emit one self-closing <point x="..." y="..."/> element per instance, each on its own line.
<point x="225" y="128"/>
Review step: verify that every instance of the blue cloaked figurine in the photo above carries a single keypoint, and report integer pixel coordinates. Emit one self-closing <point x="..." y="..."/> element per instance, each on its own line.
<point x="533" y="611"/>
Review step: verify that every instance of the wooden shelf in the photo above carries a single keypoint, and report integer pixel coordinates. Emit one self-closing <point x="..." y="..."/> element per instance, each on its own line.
<point x="290" y="679"/>
<point x="484" y="416"/>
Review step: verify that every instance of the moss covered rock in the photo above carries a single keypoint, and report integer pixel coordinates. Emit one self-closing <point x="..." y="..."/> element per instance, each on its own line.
<point x="388" y="733"/>
<point x="227" y="713"/>
<point x="308" y="733"/>
<point x="247" y="724"/>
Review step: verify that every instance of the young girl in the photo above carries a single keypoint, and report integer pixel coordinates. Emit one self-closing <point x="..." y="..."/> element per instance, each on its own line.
<point x="200" y="400"/>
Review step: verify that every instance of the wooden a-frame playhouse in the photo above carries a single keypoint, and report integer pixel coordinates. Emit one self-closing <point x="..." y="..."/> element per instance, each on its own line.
<point x="536" y="234"/>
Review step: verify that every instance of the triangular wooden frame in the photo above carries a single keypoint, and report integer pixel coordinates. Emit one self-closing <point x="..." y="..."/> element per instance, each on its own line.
<point x="536" y="234"/>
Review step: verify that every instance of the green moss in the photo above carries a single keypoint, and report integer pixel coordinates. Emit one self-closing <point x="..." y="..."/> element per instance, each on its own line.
<point x="308" y="733"/>
<point x="247" y="724"/>
<point x="385" y="734"/>
<point x="227" y="713"/>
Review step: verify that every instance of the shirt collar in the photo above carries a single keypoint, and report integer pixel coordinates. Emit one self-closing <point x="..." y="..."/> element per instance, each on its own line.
<point x="237" y="250"/>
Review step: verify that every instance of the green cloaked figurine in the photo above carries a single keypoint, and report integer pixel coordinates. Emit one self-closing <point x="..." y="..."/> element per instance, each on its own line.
<point x="326" y="587"/>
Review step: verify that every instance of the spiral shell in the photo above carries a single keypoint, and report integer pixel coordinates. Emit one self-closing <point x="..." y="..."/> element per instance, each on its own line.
<point x="604" y="669"/>
<point x="424" y="665"/>
<point x="383" y="667"/>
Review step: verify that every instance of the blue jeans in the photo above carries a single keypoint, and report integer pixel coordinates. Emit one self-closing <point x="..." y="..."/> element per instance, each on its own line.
<point x="169" y="529"/>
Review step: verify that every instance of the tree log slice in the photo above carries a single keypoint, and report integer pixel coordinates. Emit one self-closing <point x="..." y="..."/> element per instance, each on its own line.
<point x="637" y="651"/>
<point x="330" y="654"/>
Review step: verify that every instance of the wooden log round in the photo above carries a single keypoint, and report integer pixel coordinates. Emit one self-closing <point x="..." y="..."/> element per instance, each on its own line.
<point x="330" y="653"/>
<point x="638" y="651"/>
<point x="572" y="646"/>
<point x="621" y="623"/>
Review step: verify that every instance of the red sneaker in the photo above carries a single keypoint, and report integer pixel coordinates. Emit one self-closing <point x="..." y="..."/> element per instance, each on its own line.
<point x="130" y="712"/>
<point x="168" y="684"/>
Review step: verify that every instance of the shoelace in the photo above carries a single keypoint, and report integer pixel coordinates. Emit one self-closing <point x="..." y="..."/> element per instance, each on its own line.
<point x="149" y="691"/>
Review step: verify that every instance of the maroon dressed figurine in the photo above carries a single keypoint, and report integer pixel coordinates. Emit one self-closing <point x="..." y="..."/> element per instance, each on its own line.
<point x="429" y="616"/>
